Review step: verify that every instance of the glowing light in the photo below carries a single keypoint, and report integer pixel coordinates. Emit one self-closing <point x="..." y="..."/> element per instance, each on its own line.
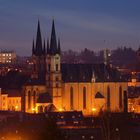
<point x="60" y="109"/>
<point x="33" y="109"/>
<point x="16" y="107"/>
<point x="133" y="109"/>
<point x="94" y="109"/>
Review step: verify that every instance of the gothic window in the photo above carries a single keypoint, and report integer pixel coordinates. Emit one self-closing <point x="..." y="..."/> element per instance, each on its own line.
<point x="56" y="67"/>
<point x="57" y="85"/>
<point x="49" y="67"/>
<point x="71" y="98"/>
<point x="120" y="97"/>
<point x="34" y="98"/>
<point x="48" y="78"/>
<point x="125" y="101"/>
<point x="84" y="98"/>
<point x="108" y="97"/>
<point x="29" y="99"/>
<point x="34" y="67"/>
<point x="56" y="78"/>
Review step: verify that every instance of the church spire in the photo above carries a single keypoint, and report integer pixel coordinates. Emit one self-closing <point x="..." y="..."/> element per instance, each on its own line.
<point x="48" y="48"/>
<point x="33" y="48"/>
<point x="39" y="49"/>
<point x="44" y="49"/>
<point x="59" y="47"/>
<point x="53" y="42"/>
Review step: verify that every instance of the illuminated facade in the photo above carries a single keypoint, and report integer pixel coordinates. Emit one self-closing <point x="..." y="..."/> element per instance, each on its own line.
<point x="7" y="57"/>
<point x="10" y="100"/>
<point x="71" y="87"/>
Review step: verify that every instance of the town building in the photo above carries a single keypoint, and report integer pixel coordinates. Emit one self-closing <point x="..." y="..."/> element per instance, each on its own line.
<point x="7" y="57"/>
<point x="10" y="100"/>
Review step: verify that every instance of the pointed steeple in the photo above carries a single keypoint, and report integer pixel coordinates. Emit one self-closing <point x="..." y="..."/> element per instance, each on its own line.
<point x="59" y="48"/>
<point x="44" y="49"/>
<point x="48" y="48"/>
<point x="53" y="42"/>
<point x="39" y="49"/>
<point x="33" y="48"/>
<point x="93" y="79"/>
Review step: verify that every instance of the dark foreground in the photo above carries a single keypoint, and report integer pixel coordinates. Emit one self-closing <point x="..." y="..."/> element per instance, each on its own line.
<point x="41" y="127"/>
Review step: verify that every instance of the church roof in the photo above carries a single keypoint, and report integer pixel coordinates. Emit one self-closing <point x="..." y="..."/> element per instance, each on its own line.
<point x="85" y="73"/>
<point x="99" y="95"/>
<point x="34" y="82"/>
<point x="44" y="98"/>
<point x="12" y="92"/>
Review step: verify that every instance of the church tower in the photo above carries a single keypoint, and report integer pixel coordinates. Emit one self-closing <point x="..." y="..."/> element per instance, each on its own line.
<point x="38" y="56"/>
<point x="53" y="69"/>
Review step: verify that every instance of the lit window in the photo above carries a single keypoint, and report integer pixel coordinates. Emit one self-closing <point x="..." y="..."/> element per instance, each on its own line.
<point x="108" y="97"/>
<point x="120" y="97"/>
<point x="56" y="67"/>
<point x="71" y="98"/>
<point x="84" y="98"/>
<point x="3" y="54"/>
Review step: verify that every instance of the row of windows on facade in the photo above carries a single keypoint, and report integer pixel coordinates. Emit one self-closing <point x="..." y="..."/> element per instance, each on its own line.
<point x="5" y="61"/>
<point x="85" y="99"/>
<point x="33" y="96"/>
<point x="12" y="102"/>
<point x="5" y="54"/>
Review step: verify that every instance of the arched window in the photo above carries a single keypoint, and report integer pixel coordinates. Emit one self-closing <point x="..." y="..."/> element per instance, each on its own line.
<point x="29" y="99"/>
<point x="84" y="98"/>
<point x="108" y="97"/>
<point x="49" y="67"/>
<point x="120" y="97"/>
<point x="34" y="99"/>
<point x="125" y="101"/>
<point x="71" y="98"/>
<point x="56" y="67"/>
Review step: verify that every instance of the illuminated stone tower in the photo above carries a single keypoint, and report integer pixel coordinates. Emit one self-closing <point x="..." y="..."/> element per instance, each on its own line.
<point x="38" y="56"/>
<point x="53" y="69"/>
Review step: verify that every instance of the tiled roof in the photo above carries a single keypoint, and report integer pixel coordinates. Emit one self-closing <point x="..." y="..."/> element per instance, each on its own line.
<point x="35" y="82"/>
<point x="44" y="98"/>
<point x="85" y="73"/>
<point x="12" y="92"/>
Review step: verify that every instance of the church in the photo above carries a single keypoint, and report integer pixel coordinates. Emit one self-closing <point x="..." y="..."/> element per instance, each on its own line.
<point x="56" y="86"/>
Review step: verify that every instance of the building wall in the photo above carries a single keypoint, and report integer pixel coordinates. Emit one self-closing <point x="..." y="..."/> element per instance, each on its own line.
<point x="87" y="103"/>
<point x="14" y="103"/>
<point x="10" y="103"/>
<point x="134" y="105"/>
<point x="92" y="104"/>
<point x="7" y="57"/>
<point x="4" y="101"/>
<point x="30" y="100"/>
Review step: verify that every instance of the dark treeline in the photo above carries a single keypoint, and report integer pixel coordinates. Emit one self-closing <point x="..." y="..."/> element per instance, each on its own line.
<point x="122" y="57"/>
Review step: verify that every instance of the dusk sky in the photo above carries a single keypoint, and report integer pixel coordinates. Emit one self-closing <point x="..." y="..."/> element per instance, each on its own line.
<point x="94" y="24"/>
